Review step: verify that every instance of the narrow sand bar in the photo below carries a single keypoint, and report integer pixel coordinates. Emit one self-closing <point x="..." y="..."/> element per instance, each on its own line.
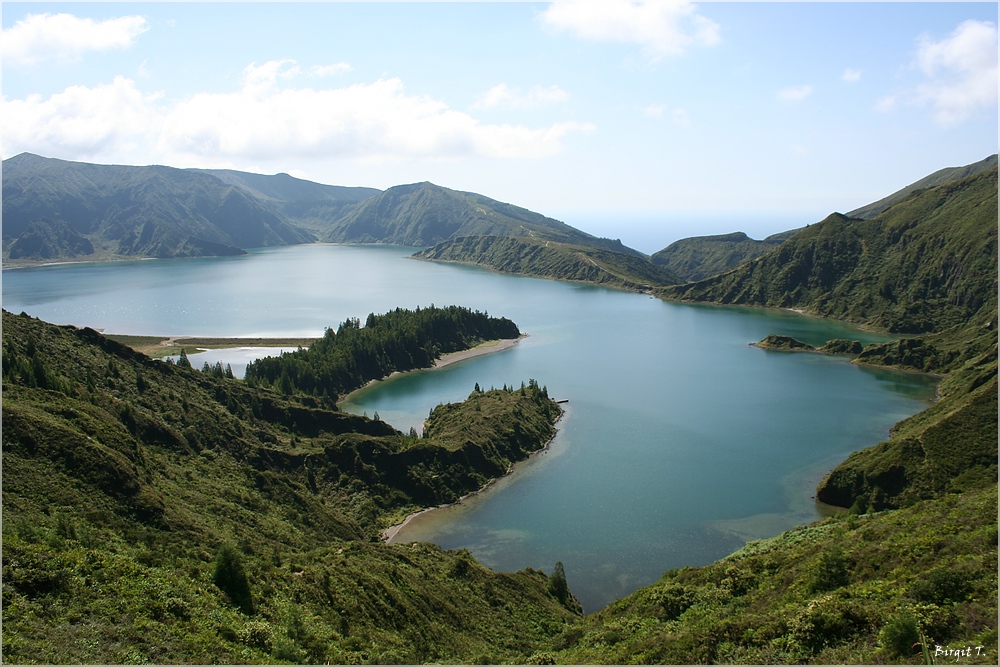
<point x="487" y="347"/>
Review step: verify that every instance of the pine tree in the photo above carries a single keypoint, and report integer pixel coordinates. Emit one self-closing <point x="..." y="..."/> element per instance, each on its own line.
<point x="557" y="586"/>
<point x="230" y="577"/>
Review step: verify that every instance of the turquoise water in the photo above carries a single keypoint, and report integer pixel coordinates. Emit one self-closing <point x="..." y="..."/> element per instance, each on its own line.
<point x="680" y="441"/>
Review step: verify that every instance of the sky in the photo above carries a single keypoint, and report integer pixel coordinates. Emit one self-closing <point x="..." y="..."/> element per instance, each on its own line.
<point x="645" y="121"/>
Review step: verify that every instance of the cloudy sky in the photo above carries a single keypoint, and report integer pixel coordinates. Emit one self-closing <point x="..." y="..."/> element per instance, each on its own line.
<point x="646" y="121"/>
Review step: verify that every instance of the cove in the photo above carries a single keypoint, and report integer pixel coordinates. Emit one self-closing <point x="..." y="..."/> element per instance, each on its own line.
<point x="680" y="441"/>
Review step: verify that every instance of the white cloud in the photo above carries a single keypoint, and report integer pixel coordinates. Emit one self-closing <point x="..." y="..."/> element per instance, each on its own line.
<point x="678" y="115"/>
<point x="64" y="37"/>
<point x="962" y="71"/>
<point x="681" y="117"/>
<point x="795" y="93"/>
<point x="79" y="122"/>
<point x="503" y="96"/>
<point x="331" y="70"/>
<point x="851" y="75"/>
<point x="266" y="119"/>
<point x="886" y="104"/>
<point x="661" y="27"/>
<point x="655" y="110"/>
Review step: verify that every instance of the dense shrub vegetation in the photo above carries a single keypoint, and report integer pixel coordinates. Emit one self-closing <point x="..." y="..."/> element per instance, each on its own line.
<point x="848" y="590"/>
<point x="156" y="513"/>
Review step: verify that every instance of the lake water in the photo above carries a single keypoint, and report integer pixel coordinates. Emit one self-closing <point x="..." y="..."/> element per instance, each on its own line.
<point x="680" y="441"/>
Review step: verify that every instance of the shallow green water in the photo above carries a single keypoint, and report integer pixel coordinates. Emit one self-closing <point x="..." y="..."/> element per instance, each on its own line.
<point x="679" y="443"/>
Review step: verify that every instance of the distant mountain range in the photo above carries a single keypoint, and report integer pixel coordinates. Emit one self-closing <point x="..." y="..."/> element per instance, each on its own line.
<point x="56" y="209"/>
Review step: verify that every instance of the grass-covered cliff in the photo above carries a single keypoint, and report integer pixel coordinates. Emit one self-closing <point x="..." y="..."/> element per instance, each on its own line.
<point x="155" y="513"/>
<point x="549" y="259"/>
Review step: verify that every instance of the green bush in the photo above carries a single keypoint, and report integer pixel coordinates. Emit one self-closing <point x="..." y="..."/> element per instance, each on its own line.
<point x="257" y="634"/>
<point x="899" y="635"/>
<point x="830" y="573"/>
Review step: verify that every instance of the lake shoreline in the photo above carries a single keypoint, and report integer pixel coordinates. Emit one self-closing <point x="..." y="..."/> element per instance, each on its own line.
<point x="390" y="533"/>
<point x="486" y="347"/>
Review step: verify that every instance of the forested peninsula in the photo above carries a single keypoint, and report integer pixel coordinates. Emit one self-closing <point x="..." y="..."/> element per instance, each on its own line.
<point x="401" y="340"/>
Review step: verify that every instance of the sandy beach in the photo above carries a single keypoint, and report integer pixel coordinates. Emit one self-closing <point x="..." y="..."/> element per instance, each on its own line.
<point x="479" y="350"/>
<point x="488" y="347"/>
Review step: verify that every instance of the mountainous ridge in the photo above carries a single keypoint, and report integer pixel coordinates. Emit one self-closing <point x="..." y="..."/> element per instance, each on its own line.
<point x="550" y="259"/>
<point x="926" y="263"/>
<point x="939" y="177"/>
<point x="699" y="257"/>
<point x="158" y="211"/>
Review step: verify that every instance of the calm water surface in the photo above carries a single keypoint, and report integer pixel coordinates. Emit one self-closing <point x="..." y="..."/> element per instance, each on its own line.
<point x="680" y="442"/>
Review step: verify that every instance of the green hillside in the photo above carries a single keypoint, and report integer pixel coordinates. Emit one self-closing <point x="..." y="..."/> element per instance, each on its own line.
<point x="130" y="211"/>
<point x="939" y="177"/>
<point x="55" y="209"/>
<point x="157" y="513"/>
<point x="700" y="257"/>
<point x="869" y="590"/>
<point x="424" y="214"/>
<point x="925" y="264"/>
<point x="549" y="259"/>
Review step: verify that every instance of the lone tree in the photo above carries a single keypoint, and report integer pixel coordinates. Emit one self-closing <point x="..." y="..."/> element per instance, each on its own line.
<point x="557" y="587"/>
<point x="232" y="579"/>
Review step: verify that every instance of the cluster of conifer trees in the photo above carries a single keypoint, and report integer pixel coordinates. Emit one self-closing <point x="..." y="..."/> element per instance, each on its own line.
<point x="400" y="340"/>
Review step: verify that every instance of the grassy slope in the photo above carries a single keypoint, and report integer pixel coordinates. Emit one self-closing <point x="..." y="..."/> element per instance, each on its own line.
<point x="123" y="478"/>
<point x="549" y="259"/>
<point x="937" y="178"/>
<point x="819" y="594"/>
<point x="925" y="264"/>
<point x="700" y="257"/>
<point x="424" y="214"/>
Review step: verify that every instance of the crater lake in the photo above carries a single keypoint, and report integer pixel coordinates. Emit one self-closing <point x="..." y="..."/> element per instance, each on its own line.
<point x="680" y="441"/>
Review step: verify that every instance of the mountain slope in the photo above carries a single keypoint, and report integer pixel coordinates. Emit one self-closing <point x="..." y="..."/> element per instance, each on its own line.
<point x="939" y="177"/>
<point x="303" y="203"/>
<point x="863" y="590"/>
<point x="131" y="484"/>
<point x="137" y="211"/>
<point x="424" y="214"/>
<point x="700" y="257"/>
<point x="53" y="208"/>
<point x="549" y="259"/>
<point x="925" y="264"/>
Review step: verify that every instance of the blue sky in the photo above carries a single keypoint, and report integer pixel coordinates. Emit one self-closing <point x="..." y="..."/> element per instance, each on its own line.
<point x="644" y="121"/>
